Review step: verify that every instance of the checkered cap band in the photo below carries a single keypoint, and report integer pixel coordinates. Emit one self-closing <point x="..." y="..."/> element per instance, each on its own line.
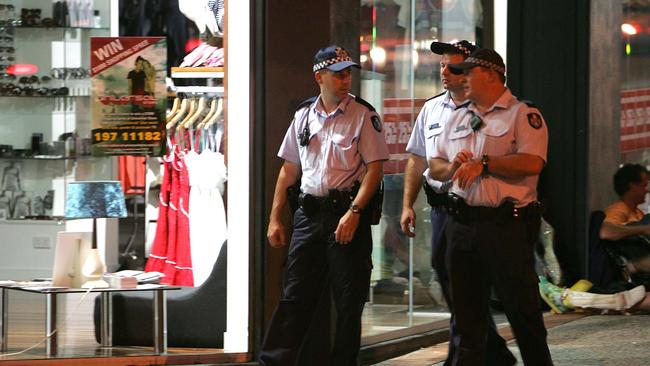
<point x="464" y="50"/>
<point x="323" y="64"/>
<point x="488" y="64"/>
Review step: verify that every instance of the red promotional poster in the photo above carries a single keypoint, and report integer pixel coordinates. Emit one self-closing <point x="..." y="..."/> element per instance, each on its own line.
<point x="129" y="96"/>
<point x="635" y="120"/>
<point x="399" y="116"/>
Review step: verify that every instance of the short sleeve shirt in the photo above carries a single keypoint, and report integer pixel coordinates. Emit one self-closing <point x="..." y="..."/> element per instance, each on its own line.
<point x="509" y="127"/>
<point x="621" y="214"/>
<point x="341" y="143"/>
<point x="427" y="129"/>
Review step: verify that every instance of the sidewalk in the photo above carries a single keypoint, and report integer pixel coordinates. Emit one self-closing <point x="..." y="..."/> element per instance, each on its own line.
<point x="574" y="339"/>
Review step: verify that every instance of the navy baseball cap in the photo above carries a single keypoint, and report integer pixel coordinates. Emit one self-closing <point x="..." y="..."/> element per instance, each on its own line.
<point x="484" y="57"/>
<point x="463" y="47"/>
<point x="333" y="58"/>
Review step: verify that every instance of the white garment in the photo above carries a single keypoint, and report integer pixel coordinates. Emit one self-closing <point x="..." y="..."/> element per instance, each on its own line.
<point x="201" y="14"/>
<point x="207" y="173"/>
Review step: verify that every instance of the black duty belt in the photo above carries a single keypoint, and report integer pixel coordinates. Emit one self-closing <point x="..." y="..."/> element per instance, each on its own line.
<point x="336" y="201"/>
<point x="434" y="199"/>
<point x="460" y="210"/>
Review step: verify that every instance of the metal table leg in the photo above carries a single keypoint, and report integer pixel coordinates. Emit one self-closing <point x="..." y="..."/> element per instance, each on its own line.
<point x="106" y="322"/>
<point x="159" y="321"/>
<point x="50" y="326"/>
<point x="4" y="320"/>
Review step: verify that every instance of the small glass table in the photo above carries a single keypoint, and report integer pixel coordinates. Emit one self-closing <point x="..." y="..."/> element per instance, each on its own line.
<point x="106" y="313"/>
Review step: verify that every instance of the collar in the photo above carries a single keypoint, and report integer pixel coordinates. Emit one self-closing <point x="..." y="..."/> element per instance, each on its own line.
<point x="505" y="101"/>
<point x="340" y="109"/>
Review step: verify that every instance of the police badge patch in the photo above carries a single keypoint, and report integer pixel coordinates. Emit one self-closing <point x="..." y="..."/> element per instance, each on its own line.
<point x="376" y="123"/>
<point x="535" y="120"/>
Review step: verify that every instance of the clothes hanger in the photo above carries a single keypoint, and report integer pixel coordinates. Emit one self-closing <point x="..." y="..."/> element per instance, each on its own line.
<point x="200" y="109"/>
<point x="213" y="108"/>
<point x="216" y="115"/>
<point x="181" y="112"/>
<point x="190" y="113"/>
<point x="174" y="109"/>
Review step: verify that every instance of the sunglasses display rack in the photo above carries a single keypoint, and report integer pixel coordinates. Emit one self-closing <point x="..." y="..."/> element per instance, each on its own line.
<point x="45" y="101"/>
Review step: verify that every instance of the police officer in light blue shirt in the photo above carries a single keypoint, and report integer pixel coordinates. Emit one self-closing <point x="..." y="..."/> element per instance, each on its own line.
<point x="335" y="147"/>
<point x="494" y="149"/>
<point x="425" y="136"/>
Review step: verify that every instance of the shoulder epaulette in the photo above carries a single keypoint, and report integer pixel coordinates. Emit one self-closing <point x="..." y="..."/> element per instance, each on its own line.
<point x="435" y="96"/>
<point x="529" y="103"/>
<point x="359" y="100"/>
<point x="306" y="103"/>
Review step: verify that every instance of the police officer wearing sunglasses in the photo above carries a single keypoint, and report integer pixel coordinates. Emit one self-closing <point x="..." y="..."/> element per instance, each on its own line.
<point x="426" y="134"/>
<point x="335" y="150"/>
<point x="494" y="149"/>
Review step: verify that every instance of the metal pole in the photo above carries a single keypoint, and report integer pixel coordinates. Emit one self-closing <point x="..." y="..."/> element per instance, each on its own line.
<point x="4" y="320"/>
<point x="50" y="325"/>
<point x="159" y="321"/>
<point x="106" y="322"/>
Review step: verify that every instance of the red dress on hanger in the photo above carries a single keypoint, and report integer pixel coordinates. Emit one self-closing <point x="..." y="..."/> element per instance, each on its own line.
<point x="158" y="255"/>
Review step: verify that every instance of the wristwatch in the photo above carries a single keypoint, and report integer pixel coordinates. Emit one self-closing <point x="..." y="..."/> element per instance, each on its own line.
<point x="484" y="161"/>
<point x="355" y="208"/>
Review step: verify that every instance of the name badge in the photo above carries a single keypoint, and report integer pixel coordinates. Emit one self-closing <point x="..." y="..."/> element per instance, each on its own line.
<point x="434" y="126"/>
<point x="460" y="128"/>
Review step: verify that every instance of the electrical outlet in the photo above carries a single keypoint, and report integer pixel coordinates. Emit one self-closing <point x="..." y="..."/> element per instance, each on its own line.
<point x="42" y="242"/>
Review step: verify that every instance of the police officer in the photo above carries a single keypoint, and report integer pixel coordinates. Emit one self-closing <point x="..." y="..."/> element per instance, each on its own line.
<point x="493" y="151"/>
<point x="334" y="141"/>
<point x="426" y="132"/>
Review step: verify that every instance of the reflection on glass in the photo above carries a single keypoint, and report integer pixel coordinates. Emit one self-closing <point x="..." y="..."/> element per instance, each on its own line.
<point x="399" y="74"/>
<point x="635" y="84"/>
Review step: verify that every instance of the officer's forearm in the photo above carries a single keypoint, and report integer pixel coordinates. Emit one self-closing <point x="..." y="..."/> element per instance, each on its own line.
<point x="440" y="169"/>
<point x="288" y="176"/>
<point x="515" y="165"/>
<point x="415" y="166"/>
<point x="370" y="183"/>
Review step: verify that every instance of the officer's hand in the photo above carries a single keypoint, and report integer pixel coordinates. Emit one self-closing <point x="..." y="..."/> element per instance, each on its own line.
<point x="347" y="227"/>
<point x="467" y="173"/>
<point x="276" y="234"/>
<point x="408" y="221"/>
<point x="462" y="157"/>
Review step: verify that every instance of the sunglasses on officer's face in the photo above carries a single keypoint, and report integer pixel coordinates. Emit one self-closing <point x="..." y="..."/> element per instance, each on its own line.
<point x="476" y="122"/>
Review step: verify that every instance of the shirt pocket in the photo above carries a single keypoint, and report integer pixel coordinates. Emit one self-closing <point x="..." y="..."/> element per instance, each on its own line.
<point x="498" y="140"/>
<point x="344" y="151"/>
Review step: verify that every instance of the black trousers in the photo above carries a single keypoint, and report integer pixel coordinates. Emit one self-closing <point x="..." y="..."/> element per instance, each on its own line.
<point x="316" y="260"/>
<point x="489" y="254"/>
<point x="497" y="352"/>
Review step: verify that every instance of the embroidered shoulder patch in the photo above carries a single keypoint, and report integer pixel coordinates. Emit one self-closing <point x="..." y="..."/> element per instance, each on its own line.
<point x="376" y="123"/>
<point x="535" y="120"/>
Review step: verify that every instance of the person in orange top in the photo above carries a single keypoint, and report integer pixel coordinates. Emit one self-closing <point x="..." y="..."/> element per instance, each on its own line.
<point x="624" y="219"/>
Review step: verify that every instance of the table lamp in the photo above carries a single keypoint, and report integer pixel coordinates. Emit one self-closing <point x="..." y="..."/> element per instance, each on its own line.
<point x="93" y="200"/>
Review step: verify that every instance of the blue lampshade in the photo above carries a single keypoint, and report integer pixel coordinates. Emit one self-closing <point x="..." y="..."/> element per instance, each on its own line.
<point x="94" y="199"/>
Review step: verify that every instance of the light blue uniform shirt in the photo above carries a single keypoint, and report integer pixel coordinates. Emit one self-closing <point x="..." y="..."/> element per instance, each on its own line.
<point x="510" y="127"/>
<point x="427" y="129"/>
<point x="340" y="145"/>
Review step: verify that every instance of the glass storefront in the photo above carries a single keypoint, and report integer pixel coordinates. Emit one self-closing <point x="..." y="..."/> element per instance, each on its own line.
<point x="399" y="73"/>
<point x="635" y="84"/>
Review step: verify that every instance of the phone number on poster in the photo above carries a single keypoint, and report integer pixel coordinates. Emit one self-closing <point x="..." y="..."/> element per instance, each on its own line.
<point x="127" y="136"/>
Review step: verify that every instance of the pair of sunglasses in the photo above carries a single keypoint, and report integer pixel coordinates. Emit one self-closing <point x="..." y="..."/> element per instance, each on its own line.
<point x="7" y="49"/>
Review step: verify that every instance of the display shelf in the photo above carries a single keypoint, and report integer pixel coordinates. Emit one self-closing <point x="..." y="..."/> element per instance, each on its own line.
<point x="199" y="89"/>
<point x="54" y="220"/>
<point x="197" y="72"/>
<point x="44" y="96"/>
<point x="49" y="158"/>
<point x="54" y="27"/>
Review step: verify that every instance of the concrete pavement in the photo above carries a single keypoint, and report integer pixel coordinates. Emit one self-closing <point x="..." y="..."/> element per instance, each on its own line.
<point x="575" y="339"/>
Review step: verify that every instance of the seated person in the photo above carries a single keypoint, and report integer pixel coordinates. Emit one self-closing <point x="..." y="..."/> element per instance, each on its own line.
<point x="624" y="221"/>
